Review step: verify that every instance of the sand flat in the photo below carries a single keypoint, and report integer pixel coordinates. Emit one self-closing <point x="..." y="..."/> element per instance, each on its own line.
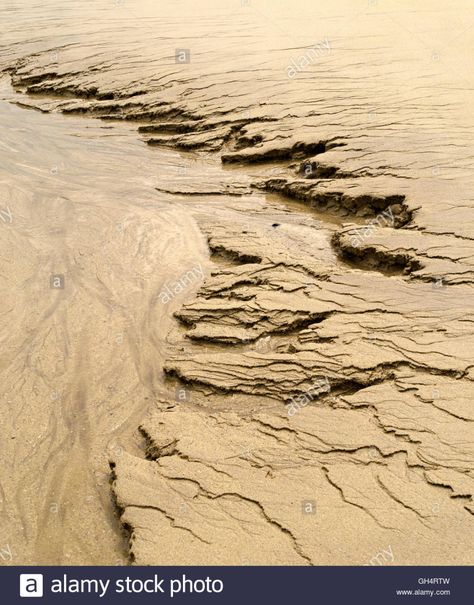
<point x="311" y="391"/>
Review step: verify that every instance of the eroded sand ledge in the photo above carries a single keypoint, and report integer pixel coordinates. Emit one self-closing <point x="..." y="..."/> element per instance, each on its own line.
<point x="386" y="455"/>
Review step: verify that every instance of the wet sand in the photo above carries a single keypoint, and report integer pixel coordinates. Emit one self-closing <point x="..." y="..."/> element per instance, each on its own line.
<point x="244" y="293"/>
<point x="80" y="362"/>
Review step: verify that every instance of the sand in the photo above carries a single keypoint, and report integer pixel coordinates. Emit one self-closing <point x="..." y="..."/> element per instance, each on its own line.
<point x="238" y="263"/>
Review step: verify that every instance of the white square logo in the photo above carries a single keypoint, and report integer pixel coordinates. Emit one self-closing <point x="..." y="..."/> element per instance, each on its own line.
<point x="31" y="585"/>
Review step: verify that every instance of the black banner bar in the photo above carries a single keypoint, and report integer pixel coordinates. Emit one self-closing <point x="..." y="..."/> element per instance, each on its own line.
<point x="239" y="585"/>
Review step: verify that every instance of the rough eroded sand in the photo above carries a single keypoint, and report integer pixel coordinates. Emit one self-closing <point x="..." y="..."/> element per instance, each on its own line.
<point x="326" y="361"/>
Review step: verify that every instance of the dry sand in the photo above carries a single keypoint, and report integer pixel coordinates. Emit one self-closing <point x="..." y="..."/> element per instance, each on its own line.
<point x="263" y="329"/>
